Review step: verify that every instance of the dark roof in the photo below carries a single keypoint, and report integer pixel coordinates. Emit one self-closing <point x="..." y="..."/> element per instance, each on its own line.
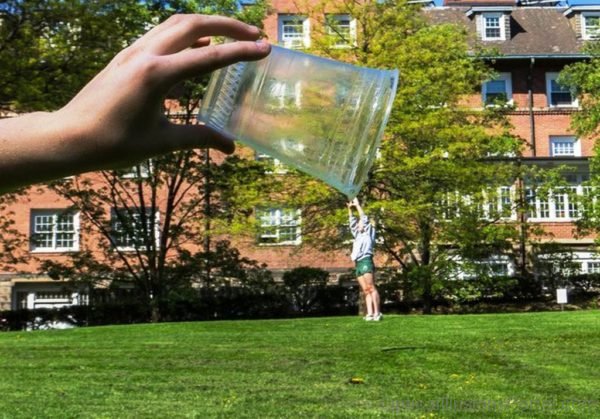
<point x="479" y="3"/>
<point x="534" y="31"/>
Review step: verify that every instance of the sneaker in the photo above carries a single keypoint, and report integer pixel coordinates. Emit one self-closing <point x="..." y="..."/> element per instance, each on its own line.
<point x="368" y="318"/>
<point x="378" y="317"/>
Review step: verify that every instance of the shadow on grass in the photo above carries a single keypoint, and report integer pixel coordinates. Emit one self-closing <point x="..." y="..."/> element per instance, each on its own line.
<point x="402" y="348"/>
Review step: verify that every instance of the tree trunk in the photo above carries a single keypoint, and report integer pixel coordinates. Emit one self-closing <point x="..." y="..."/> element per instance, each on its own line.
<point x="362" y="304"/>
<point x="425" y="274"/>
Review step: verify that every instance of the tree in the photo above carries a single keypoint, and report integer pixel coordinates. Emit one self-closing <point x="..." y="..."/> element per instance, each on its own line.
<point x="303" y="286"/>
<point x="49" y="48"/>
<point x="435" y="191"/>
<point x="147" y="217"/>
<point x="13" y="244"/>
<point x="583" y="78"/>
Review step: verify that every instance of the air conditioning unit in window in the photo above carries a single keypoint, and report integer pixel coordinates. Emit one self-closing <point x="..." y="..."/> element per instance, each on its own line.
<point x="293" y="43"/>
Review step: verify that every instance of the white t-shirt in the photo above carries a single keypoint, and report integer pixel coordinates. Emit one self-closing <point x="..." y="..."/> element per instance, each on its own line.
<point x="364" y="242"/>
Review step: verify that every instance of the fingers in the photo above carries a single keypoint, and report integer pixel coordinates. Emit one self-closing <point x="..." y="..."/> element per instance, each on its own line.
<point x="203" y="60"/>
<point x="202" y="42"/>
<point x="185" y="137"/>
<point x="182" y="31"/>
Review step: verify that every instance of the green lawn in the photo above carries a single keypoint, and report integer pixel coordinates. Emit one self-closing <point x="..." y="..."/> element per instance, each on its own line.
<point x="508" y="365"/>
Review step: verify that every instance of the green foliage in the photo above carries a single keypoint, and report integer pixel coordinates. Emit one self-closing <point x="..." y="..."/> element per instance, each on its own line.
<point x="13" y="244"/>
<point x="583" y="78"/>
<point x="303" y="286"/>
<point x="49" y="48"/>
<point x="435" y="173"/>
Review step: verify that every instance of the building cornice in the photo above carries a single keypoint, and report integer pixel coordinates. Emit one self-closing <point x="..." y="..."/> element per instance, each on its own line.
<point x="582" y="8"/>
<point x="488" y="9"/>
<point x="537" y="57"/>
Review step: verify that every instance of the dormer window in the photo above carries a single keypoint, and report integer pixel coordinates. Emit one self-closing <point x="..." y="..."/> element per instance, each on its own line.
<point x="492" y="26"/>
<point x="590" y="25"/>
<point x="492" y="22"/>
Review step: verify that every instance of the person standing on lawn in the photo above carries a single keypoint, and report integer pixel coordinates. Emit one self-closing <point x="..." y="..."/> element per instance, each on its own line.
<point x="363" y="246"/>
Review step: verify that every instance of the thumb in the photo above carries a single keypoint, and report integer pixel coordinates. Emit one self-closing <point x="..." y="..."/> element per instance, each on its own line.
<point x="185" y="137"/>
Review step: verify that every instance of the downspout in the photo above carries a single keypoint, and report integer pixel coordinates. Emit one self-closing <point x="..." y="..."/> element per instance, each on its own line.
<point x="207" y="214"/>
<point x="530" y="104"/>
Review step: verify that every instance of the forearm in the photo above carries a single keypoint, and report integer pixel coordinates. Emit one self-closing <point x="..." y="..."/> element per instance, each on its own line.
<point x="361" y="213"/>
<point x="117" y="118"/>
<point x="33" y="148"/>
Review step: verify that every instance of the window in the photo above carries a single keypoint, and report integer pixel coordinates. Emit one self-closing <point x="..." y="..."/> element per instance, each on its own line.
<point x="279" y="226"/>
<point x="493" y="26"/>
<point x="497" y="203"/>
<point x="499" y="267"/>
<point x="54" y="231"/>
<point x="275" y="166"/>
<point x="561" y="203"/>
<point x="342" y="29"/>
<point x="590" y="25"/>
<point x="294" y="31"/>
<point x="139" y="171"/>
<point x="128" y="231"/>
<point x="593" y="267"/>
<point x="561" y="146"/>
<point x="284" y="95"/>
<point x="498" y="90"/>
<point x="494" y="266"/>
<point x="558" y="95"/>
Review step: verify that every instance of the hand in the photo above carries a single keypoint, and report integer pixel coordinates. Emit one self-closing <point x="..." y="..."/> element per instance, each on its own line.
<point x="118" y="115"/>
<point x="117" y="119"/>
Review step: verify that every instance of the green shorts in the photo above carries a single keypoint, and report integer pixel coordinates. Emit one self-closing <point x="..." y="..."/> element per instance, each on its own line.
<point x="364" y="266"/>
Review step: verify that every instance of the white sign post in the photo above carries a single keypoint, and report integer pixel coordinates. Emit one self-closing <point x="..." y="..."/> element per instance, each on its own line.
<point x="561" y="297"/>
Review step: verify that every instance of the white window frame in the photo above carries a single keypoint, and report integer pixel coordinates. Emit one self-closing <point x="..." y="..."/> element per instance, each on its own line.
<point x="114" y="219"/>
<point x="285" y="95"/>
<point x="503" y="260"/>
<point x="507" y="78"/>
<point x="278" y="167"/>
<point x="588" y="261"/>
<point x="293" y="42"/>
<point x="501" y="22"/>
<point x="338" y="17"/>
<point x="591" y="266"/>
<point x="559" y="205"/>
<point x="585" y="32"/>
<point x="146" y="168"/>
<point x="497" y="203"/>
<point x="54" y="214"/>
<point x="555" y="140"/>
<point x="277" y="219"/>
<point x="550" y="77"/>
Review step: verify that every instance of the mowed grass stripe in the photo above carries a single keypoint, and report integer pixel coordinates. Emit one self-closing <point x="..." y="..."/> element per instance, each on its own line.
<point x="506" y="365"/>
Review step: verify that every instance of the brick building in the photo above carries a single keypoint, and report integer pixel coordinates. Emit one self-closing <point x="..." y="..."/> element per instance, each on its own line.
<point x="535" y="41"/>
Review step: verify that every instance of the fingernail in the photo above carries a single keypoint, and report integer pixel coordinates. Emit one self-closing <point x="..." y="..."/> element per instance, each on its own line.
<point x="263" y="45"/>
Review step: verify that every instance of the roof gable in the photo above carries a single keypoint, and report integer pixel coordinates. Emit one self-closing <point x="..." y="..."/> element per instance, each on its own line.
<point x="533" y="30"/>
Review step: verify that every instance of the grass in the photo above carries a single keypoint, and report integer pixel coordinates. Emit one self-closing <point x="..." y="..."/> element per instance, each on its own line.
<point x="537" y="365"/>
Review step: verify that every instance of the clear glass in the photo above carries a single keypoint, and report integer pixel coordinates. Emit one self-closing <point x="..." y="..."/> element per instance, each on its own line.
<point x="320" y="116"/>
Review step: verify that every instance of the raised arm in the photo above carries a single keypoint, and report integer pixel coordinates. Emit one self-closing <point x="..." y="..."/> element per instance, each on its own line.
<point x="356" y="204"/>
<point x="353" y="222"/>
<point x="117" y="119"/>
